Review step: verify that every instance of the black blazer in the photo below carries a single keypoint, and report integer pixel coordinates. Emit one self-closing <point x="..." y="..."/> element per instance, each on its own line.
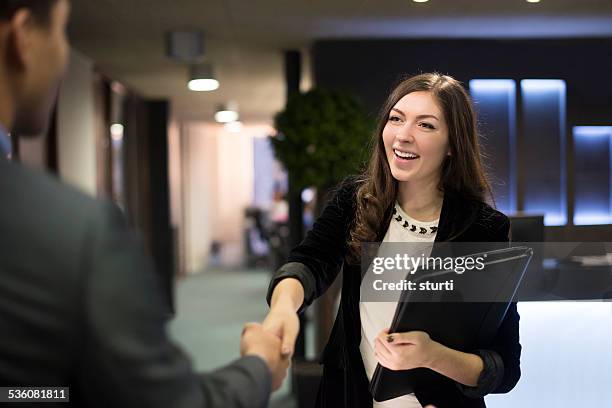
<point x="81" y="307"/>
<point x="316" y="262"/>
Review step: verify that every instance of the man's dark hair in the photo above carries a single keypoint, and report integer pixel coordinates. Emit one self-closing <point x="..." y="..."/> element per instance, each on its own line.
<point x="40" y="9"/>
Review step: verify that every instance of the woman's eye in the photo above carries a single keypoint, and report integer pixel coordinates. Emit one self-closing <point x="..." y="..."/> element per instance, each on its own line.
<point x="427" y="125"/>
<point x="394" y="118"/>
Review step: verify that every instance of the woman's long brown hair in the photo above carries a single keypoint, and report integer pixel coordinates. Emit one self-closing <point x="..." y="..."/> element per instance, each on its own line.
<point x="462" y="173"/>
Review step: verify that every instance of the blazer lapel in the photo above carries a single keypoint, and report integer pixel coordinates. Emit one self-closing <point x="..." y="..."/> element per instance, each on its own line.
<point x="456" y="216"/>
<point x="449" y="207"/>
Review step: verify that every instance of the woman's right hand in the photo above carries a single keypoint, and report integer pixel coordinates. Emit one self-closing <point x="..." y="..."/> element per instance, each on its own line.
<point x="282" y="320"/>
<point x="284" y="323"/>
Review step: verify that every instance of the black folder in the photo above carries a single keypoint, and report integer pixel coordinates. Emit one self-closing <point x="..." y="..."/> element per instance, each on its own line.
<point x="452" y="320"/>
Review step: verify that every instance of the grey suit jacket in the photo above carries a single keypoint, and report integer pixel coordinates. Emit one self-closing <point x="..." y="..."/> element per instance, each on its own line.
<point x="80" y="306"/>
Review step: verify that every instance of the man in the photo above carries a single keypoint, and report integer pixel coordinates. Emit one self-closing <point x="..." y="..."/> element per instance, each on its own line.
<point x="79" y="304"/>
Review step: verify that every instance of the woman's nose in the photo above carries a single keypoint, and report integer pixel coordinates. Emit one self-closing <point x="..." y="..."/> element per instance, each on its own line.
<point x="405" y="134"/>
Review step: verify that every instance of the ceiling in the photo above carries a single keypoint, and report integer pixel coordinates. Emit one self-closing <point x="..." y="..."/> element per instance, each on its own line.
<point x="245" y="38"/>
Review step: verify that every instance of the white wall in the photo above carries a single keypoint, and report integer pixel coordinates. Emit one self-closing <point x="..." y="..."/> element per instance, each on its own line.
<point x="197" y="163"/>
<point x="76" y="145"/>
<point x="217" y="179"/>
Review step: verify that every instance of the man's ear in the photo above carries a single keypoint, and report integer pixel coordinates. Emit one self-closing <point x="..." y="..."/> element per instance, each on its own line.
<point x="19" y="41"/>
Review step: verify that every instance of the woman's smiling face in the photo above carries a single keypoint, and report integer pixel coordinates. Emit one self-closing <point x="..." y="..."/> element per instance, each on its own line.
<point x="416" y="138"/>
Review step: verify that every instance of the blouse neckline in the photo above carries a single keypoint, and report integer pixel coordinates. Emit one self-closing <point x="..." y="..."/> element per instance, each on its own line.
<point x="412" y="225"/>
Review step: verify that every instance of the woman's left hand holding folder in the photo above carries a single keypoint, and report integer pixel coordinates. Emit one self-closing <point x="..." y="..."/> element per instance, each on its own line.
<point x="405" y="351"/>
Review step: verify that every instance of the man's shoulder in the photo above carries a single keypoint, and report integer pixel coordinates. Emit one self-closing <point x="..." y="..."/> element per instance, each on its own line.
<point x="50" y="235"/>
<point x="41" y="203"/>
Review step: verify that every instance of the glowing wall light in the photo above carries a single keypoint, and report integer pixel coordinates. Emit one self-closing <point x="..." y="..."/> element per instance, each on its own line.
<point x="495" y="101"/>
<point x="543" y="149"/>
<point x="116" y="131"/>
<point x="592" y="175"/>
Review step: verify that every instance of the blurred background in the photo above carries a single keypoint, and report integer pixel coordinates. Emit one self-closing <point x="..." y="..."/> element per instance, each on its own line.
<point x="219" y="127"/>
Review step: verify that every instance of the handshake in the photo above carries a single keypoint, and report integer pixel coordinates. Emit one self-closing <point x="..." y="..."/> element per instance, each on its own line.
<point x="273" y="341"/>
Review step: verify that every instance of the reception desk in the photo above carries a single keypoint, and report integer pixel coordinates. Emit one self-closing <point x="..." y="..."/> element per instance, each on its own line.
<point x="566" y="360"/>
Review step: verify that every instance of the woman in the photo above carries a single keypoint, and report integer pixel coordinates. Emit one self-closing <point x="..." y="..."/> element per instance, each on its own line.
<point x="424" y="182"/>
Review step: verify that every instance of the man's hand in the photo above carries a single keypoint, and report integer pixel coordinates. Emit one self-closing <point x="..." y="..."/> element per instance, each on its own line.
<point x="256" y="341"/>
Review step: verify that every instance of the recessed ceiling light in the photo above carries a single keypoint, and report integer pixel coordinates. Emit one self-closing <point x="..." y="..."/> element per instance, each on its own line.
<point x="203" y="85"/>
<point x="533" y="1"/>
<point x="225" y="116"/>
<point x="420" y="1"/>
<point x="202" y="79"/>
<point x="227" y="113"/>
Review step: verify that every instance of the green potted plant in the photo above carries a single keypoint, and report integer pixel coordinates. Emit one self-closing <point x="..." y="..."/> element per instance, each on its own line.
<point x="323" y="136"/>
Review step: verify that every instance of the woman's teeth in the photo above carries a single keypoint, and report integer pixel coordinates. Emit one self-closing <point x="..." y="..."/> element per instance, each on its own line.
<point x="405" y="155"/>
